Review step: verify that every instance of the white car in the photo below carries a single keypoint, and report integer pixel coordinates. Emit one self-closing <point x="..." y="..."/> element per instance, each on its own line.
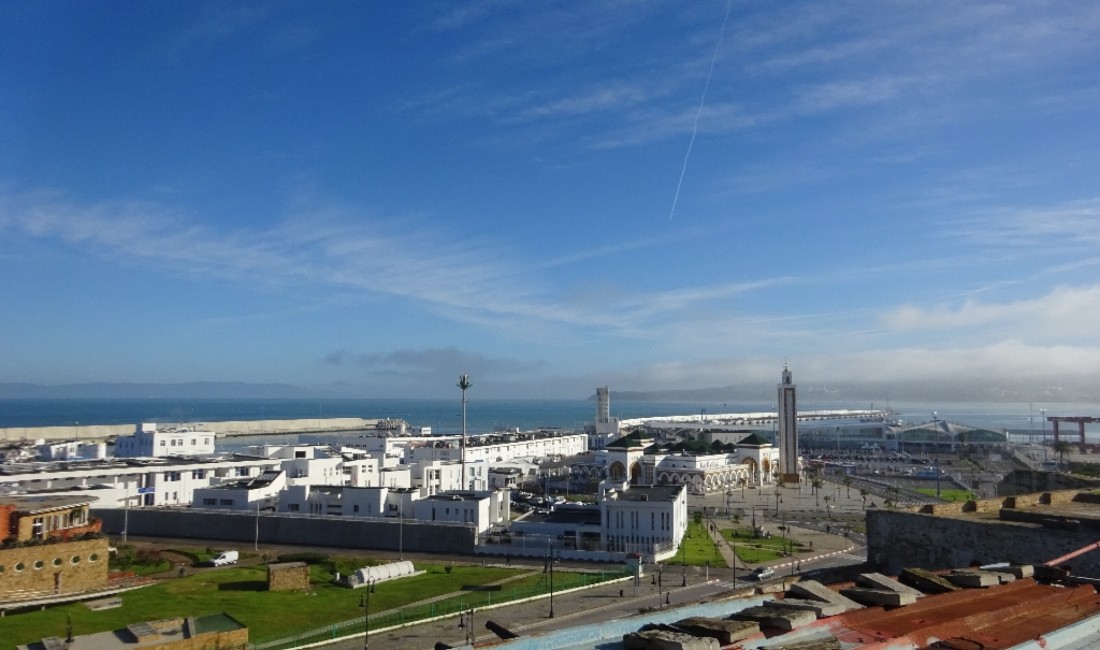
<point x="762" y="573"/>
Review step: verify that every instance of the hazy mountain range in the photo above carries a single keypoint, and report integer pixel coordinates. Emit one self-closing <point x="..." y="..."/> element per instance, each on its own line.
<point x="880" y="393"/>
<point x="189" y="390"/>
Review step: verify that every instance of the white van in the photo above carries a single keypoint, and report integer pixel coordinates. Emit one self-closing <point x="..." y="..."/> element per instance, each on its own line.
<point x="226" y="557"/>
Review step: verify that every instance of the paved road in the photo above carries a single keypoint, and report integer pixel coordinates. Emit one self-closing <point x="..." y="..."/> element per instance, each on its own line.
<point x="604" y="603"/>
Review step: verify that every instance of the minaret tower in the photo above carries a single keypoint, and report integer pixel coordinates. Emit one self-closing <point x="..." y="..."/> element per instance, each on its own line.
<point x="787" y="438"/>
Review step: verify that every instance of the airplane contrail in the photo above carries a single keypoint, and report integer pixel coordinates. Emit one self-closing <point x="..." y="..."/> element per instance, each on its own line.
<point x="702" y="100"/>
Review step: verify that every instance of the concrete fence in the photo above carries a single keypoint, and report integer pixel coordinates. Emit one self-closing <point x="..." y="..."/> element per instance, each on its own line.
<point x="246" y="529"/>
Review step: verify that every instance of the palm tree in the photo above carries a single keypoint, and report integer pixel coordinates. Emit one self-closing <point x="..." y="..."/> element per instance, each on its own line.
<point x="816" y="484"/>
<point x="1061" y="447"/>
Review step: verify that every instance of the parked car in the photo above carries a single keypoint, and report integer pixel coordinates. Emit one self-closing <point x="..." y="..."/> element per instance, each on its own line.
<point x="226" y="557"/>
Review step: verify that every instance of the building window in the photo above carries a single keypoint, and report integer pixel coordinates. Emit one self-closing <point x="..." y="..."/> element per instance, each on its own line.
<point x="198" y="474"/>
<point x="74" y="559"/>
<point x="209" y="502"/>
<point x="38" y="564"/>
<point x="227" y="502"/>
<point x="19" y="566"/>
<point x="57" y="561"/>
<point x="355" y="508"/>
<point x="94" y="557"/>
<point x="293" y="507"/>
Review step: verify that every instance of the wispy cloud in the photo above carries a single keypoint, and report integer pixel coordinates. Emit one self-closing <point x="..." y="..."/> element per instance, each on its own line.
<point x="319" y="245"/>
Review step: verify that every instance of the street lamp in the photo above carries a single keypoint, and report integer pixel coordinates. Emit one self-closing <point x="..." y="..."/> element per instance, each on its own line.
<point x="550" y="568"/>
<point x="463" y="383"/>
<point x="1043" y="417"/>
<point x="683" y="562"/>
<point x="364" y="602"/>
<point x="466" y="622"/>
<point x="936" y="429"/>
<point x="778" y="500"/>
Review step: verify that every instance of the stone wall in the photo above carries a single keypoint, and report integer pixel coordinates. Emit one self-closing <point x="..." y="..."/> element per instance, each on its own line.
<point x="48" y="569"/>
<point x="948" y="536"/>
<point x="341" y="532"/>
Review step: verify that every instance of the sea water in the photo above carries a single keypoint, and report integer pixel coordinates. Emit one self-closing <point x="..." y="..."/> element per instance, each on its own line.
<point x="484" y="415"/>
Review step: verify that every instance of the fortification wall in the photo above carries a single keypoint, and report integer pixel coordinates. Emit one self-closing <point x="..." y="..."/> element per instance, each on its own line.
<point x="50" y="569"/>
<point x="340" y="532"/>
<point x="948" y="536"/>
<point x="226" y="428"/>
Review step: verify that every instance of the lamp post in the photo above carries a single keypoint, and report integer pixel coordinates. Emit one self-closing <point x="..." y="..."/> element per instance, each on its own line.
<point x="464" y="383"/>
<point x="466" y="622"/>
<point x="683" y="562"/>
<point x="550" y="568"/>
<point x="778" y="500"/>
<point x="733" y="569"/>
<point x="1043" y="417"/>
<point x="936" y="428"/>
<point x="364" y="602"/>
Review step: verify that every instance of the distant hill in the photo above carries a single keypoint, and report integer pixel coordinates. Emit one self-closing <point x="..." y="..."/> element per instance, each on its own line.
<point x="1083" y="389"/>
<point x="689" y="395"/>
<point x="189" y="390"/>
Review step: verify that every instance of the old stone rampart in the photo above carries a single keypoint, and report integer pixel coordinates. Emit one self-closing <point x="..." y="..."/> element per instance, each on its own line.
<point x="342" y="532"/>
<point x="944" y="536"/>
<point x="34" y="571"/>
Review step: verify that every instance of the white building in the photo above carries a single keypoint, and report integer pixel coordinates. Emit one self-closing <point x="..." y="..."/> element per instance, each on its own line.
<point x="253" y="494"/>
<point x="334" y="500"/>
<point x="141" y="483"/>
<point x="606" y="428"/>
<point x="647" y="520"/>
<point x="148" y="441"/>
<point x="71" y="450"/>
<point x="481" y="508"/>
<point x="634" y="459"/>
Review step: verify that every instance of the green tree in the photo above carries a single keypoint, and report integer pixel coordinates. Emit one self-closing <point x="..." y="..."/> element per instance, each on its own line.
<point x="1061" y="447"/>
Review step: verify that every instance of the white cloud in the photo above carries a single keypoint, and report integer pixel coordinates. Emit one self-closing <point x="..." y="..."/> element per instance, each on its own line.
<point x="1064" y="314"/>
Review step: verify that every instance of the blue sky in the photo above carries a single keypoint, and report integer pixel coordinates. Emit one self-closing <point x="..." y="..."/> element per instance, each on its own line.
<point x="372" y="198"/>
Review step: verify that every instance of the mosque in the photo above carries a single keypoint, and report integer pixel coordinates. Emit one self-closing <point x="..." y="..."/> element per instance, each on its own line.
<point x="637" y="460"/>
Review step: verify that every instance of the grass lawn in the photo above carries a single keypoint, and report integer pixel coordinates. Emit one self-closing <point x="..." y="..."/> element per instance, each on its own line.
<point x="697" y="548"/>
<point x="240" y="592"/>
<point x="760" y="549"/>
<point x="949" y="495"/>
